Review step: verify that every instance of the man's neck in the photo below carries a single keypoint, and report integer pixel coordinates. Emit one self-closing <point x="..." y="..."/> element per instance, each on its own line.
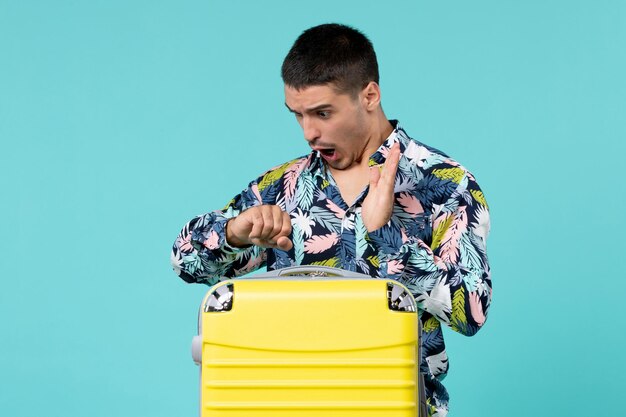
<point x="353" y="180"/>
<point x="381" y="132"/>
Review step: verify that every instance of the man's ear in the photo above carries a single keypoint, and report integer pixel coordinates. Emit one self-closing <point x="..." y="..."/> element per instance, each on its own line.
<point x="371" y="96"/>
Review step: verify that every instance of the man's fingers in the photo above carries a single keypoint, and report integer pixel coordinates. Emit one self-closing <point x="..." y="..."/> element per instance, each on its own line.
<point x="286" y="224"/>
<point x="388" y="173"/>
<point x="256" y="218"/>
<point x="268" y="222"/>
<point x="283" y="242"/>
<point x="391" y="164"/>
<point x="390" y="168"/>
<point x="281" y="238"/>
<point x="261" y="242"/>
<point x="262" y="219"/>
<point x="270" y="227"/>
<point x="374" y="176"/>
<point x="378" y="204"/>
<point x="277" y="219"/>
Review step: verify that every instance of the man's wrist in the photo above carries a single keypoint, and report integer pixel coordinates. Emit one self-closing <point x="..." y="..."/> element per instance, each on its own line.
<point x="231" y="239"/>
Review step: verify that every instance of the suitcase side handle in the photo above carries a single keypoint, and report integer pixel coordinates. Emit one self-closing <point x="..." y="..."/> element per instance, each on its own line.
<point x="399" y="299"/>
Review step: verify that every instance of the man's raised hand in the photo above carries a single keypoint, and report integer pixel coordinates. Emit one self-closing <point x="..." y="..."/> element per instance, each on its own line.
<point x="266" y="226"/>
<point x="378" y="204"/>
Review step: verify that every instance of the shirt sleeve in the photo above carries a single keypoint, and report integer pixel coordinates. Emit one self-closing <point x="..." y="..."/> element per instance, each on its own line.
<point x="201" y="253"/>
<point x="450" y="276"/>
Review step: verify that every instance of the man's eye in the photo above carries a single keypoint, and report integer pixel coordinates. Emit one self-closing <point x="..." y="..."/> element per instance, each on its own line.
<point x="323" y="114"/>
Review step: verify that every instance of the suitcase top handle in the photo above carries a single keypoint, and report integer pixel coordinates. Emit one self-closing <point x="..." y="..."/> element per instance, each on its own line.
<point x="313" y="271"/>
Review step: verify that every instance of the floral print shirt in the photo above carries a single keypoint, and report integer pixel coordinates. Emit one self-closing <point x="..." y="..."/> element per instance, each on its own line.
<point x="434" y="244"/>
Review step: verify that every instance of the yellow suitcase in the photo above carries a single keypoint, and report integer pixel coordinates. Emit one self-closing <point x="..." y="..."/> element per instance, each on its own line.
<point x="308" y="342"/>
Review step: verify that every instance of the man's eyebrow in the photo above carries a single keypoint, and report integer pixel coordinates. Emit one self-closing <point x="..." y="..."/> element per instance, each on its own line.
<point x="320" y="107"/>
<point x="312" y="109"/>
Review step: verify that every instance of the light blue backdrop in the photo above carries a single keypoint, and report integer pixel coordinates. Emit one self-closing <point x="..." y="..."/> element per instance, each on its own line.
<point x="121" y="120"/>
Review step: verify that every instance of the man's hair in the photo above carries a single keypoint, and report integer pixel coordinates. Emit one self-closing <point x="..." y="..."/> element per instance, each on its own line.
<point x="331" y="53"/>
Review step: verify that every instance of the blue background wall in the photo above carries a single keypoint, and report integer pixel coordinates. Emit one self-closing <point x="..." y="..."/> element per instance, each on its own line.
<point x="121" y="120"/>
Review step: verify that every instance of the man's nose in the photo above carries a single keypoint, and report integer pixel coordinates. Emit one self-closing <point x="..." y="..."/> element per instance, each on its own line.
<point x="311" y="132"/>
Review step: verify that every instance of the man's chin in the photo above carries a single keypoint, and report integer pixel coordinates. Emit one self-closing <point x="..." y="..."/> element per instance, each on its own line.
<point x="339" y="164"/>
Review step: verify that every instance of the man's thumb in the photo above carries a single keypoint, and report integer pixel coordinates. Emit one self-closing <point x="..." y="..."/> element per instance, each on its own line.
<point x="284" y="243"/>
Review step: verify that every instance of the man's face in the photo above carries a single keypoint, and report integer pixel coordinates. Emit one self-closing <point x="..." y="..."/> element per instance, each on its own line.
<point x="335" y="124"/>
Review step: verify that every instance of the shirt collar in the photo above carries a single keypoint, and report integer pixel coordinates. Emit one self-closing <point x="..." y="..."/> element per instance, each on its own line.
<point x="380" y="156"/>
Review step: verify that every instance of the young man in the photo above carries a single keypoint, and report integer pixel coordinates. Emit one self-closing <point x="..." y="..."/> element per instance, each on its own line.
<point x="368" y="198"/>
